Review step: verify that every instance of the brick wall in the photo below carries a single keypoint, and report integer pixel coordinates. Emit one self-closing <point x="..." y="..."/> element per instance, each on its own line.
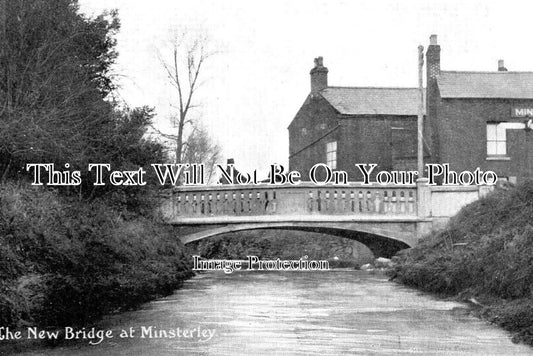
<point x="462" y="136"/>
<point x="383" y="140"/>
<point x="389" y="141"/>
<point x="313" y="126"/>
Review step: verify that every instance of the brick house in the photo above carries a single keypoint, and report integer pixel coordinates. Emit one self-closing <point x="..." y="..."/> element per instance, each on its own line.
<point x="480" y="119"/>
<point x="341" y="126"/>
<point x="473" y="119"/>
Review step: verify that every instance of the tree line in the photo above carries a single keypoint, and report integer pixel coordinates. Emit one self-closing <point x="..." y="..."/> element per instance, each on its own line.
<point x="57" y="95"/>
<point x="70" y="254"/>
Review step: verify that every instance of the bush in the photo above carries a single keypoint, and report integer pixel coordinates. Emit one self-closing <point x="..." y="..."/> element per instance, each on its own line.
<point x="66" y="262"/>
<point x="485" y="251"/>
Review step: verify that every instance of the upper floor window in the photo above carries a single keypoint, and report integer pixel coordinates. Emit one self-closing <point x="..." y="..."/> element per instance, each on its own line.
<point x="331" y="154"/>
<point x="496" y="139"/>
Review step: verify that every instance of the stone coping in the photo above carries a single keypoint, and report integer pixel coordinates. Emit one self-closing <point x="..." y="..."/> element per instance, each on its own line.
<point x="226" y="219"/>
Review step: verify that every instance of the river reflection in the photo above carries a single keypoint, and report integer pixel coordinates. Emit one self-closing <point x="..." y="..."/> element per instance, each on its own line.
<point x="301" y="313"/>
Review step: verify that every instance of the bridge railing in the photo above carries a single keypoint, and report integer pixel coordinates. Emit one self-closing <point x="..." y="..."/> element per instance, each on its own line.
<point x="304" y="199"/>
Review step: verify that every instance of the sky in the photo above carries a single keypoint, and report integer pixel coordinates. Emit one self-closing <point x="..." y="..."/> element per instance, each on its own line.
<point x="259" y="77"/>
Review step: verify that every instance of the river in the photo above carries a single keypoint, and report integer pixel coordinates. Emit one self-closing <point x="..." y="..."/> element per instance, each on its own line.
<point x="337" y="312"/>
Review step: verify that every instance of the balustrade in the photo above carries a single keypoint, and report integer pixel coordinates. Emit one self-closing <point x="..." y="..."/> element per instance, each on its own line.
<point x="296" y="200"/>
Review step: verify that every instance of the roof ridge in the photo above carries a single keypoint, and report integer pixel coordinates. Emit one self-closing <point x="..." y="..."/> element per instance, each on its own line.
<point x="396" y="101"/>
<point x="367" y="87"/>
<point x="481" y="85"/>
<point x="485" y="72"/>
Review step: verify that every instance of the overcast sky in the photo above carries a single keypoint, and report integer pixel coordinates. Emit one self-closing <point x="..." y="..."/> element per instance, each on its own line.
<point x="260" y="77"/>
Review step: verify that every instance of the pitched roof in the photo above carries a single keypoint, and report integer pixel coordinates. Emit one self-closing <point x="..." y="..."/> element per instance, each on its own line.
<point x="373" y="101"/>
<point x="501" y="85"/>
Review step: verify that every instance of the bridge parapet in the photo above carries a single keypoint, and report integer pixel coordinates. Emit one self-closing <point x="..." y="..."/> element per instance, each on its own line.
<point x="304" y="199"/>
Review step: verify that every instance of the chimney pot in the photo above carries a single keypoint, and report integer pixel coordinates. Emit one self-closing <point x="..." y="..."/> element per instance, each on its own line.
<point x="433" y="40"/>
<point x="501" y="66"/>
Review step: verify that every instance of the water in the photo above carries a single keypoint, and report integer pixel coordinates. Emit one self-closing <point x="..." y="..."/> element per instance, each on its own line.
<point x="300" y="313"/>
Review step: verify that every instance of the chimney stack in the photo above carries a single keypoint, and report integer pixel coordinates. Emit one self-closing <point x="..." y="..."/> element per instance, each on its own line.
<point x="432" y="97"/>
<point x="433" y="59"/>
<point x="319" y="76"/>
<point x="501" y="66"/>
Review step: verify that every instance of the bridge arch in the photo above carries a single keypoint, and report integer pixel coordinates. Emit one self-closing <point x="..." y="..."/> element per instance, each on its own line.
<point x="381" y="243"/>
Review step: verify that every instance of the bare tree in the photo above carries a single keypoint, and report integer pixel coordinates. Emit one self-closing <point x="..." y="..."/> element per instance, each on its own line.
<point x="201" y="148"/>
<point x="189" y="53"/>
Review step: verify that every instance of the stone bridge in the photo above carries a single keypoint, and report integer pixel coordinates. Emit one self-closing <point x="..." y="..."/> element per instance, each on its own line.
<point x="384" y="218"/>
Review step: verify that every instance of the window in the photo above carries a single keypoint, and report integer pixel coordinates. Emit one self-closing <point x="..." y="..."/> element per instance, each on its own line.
<point x="331" y="154"/>
<point x="496" y="139"/>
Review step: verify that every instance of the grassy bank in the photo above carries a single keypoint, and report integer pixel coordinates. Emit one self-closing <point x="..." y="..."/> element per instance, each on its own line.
<point x="484" y="255"/>
<point x="66" y="262"/>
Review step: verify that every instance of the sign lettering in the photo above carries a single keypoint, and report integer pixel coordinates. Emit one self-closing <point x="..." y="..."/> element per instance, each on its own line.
<point x="522" y="112"/>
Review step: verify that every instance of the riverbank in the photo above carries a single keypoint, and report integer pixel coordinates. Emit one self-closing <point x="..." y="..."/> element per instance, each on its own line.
<point x="65" y="262"/>
<point x="484" y="257"/>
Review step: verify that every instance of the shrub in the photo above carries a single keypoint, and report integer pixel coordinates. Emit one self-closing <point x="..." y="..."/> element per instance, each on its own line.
<point x="494" y="260"/>
<point x="66" y="262"/>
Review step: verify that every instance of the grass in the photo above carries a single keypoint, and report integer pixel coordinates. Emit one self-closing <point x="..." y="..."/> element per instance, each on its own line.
<point x="485" y="253"/>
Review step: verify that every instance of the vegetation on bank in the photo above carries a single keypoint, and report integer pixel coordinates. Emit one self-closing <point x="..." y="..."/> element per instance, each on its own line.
<point x="63" y="262"/>
<point x="484" y="255"/>
<point x="70" y="253"/>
